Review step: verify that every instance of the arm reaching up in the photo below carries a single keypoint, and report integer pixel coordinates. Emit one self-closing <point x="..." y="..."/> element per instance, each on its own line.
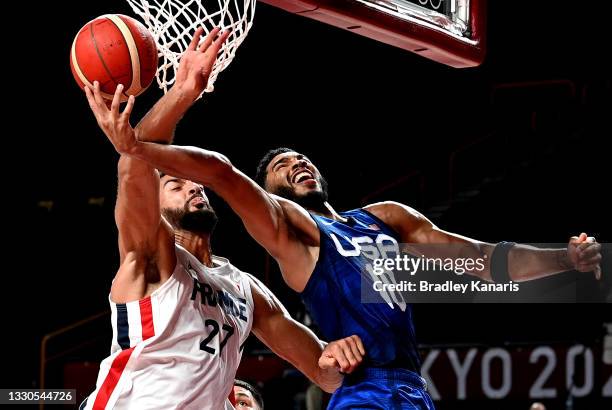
<point x="196" y="64"/>
<point x="146" y="245"/>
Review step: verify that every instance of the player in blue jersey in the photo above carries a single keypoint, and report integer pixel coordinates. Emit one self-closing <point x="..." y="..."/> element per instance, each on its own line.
<point x="321" y="255"/>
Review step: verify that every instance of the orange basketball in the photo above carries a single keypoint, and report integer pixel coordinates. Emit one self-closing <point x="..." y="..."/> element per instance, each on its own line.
<point x="114" y="49"/>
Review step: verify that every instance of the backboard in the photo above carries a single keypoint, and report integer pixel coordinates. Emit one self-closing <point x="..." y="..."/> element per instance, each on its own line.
<point x="451" y="32"/>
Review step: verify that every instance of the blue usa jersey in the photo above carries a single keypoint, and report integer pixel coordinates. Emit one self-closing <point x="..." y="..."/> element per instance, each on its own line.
<point x="333" y="294"/>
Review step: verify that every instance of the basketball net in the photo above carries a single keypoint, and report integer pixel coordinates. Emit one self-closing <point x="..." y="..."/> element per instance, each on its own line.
<point x="173" y="22"/>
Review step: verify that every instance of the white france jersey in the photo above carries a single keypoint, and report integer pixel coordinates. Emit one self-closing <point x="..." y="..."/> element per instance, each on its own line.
<point x="180" y="347"/>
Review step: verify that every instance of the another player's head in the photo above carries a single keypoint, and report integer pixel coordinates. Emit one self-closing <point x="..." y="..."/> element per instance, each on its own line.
<point x="247" y="397"/>
<point x="185" y="205"/>
<point x="289" y="174"/>
<point x="537" y="406"/>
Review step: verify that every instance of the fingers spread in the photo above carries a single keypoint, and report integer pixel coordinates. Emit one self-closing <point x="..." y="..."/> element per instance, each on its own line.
<point x="128" y="108"/>
<point x="98" y="95"/>
<point x="195" y="39"/>
<point x="219" y="41"/>
<point x="116" y="100"/>
<point x="209" y="39"/>
<point x="91" y="100"/>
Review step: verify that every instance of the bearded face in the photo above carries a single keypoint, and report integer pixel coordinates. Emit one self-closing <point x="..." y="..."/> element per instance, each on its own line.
<point x="185" y="205"/>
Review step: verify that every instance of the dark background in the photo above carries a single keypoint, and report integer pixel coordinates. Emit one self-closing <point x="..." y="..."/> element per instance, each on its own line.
<point x="531" y="160"/>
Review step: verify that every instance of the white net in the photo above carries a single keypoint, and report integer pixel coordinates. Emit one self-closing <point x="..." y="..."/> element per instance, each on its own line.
<point x="173" y="23"/>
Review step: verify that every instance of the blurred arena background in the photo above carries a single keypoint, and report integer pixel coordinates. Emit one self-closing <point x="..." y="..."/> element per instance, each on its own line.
<point x="516" y="149"/>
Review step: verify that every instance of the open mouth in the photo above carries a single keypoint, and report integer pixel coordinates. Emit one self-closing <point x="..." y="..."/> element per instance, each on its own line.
<point x="198" y="202"/>
<point x="303" y="176"/>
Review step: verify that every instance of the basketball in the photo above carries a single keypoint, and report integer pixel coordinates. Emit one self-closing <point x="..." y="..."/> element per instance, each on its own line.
<point x="114" y="49"/>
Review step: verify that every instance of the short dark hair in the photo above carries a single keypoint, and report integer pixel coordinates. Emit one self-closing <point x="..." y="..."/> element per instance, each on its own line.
<point x="256" y="394"/>
<point x="262" y="167"/>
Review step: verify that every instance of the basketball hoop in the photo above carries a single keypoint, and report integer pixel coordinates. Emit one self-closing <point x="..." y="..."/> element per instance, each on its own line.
<point x="173" y="22"/>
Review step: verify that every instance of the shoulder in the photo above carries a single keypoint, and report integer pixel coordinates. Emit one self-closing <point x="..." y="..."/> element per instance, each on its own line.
<point x="258" y="289"/>
<point x="290" y="207"/>
<point x="393" y="210"/>
<point x="400" y="217"/>
<point x="265" y="304"/>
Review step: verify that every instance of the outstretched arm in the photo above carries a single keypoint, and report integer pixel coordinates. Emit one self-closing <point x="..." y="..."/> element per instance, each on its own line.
<point x="196" y="64"/>
<point x="285" y="230"/>
<point x="298" y="345"/>
<point x="276" y="224"/>
<point x="524" y="262"/>
<point x="137" y="212"/>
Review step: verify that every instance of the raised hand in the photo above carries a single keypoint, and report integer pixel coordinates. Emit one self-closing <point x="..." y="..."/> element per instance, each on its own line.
<point x="197" y="62"/>
<point x="115" y="124"/>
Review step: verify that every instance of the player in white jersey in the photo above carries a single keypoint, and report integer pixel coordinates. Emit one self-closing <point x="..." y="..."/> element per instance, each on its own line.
<point x="181" y="315"/>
